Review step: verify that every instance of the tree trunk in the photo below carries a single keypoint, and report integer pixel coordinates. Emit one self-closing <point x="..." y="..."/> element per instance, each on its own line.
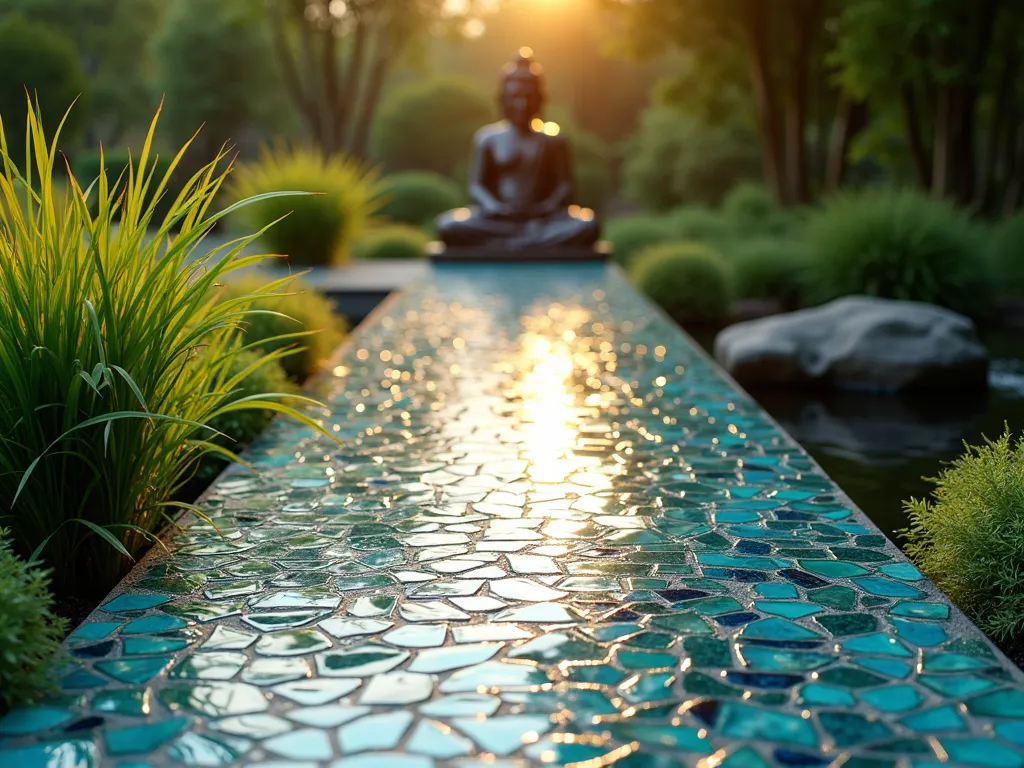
<point x="998" y="130"/>
<point x="915" y="136"/>
<point x="851" y="118"/>
<point x="290" y="74"/>
<point x="1015" y="183"/>
<point x="368" y="104"/>
<point x="806" y="19"/>
<point x="941" y="148"/>
<point x="765" y="100"/>
<point x="350" y="85"/>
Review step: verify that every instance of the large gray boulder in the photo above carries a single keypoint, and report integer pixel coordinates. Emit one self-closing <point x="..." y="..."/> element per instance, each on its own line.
<point x="858" y="342"/>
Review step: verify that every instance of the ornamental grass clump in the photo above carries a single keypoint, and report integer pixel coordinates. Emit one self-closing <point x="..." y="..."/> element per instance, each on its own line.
<point x="113" y="357"/>
<point x="899" y="244"/>
<point x="30" y="634"/>
<point x="969" y="537"/>
<point x="312" y="230"/>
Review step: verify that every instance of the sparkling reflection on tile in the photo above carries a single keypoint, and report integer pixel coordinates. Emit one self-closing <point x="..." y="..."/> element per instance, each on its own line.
<point x="552" y="533"/>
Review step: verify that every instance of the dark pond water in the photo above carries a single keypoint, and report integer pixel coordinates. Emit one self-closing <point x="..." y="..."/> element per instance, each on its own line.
<point x="879" y="449"/>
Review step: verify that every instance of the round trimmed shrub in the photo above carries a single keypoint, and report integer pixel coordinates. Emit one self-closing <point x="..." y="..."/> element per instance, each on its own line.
<point x="770" y="269"/>
<point x="240" y="428"/>
<point x="899" y="244"/>
<point x="416" y="197"/>
<point x="304" y="309"/>
<point x="429" y="126"/>
<point x="695" y="223"/>
<point x="30" y="633"/>
<point x="631" y="234"/>
<point x="314" y="229"/>
<point x="690" y="281"/>
<point x="1008" y="255"/>
<point x="751" y="210"/>
<point x="396" y="241"/>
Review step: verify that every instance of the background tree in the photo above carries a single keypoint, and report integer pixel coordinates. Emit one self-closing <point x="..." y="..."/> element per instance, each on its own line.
<point x="214" y="68"/>
<point x="111" y="40"/>
<point x="41" y="60"/>
<point x="335" y="58"/>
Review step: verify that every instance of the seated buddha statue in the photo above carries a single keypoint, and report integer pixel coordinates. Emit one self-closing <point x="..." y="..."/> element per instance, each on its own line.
<point x="520" y="177"/>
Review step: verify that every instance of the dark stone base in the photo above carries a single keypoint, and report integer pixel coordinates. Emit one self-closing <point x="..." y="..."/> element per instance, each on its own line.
<point x="441" y="254"/>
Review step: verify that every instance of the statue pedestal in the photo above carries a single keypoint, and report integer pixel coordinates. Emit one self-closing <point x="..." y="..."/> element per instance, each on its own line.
<point x="439" y="253"/>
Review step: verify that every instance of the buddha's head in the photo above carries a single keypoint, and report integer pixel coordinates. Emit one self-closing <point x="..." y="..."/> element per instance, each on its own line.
<point x="522" y="90"/>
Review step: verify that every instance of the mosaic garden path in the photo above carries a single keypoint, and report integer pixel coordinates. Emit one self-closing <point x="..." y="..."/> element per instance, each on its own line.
<point x="554" y="534"/>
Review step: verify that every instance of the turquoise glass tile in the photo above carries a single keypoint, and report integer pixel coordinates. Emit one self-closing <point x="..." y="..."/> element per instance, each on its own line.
<point x="774" y="591"/>
<point x="135" y="739"/>
<point x="127" y="603"/>
<point x="877" y="643"/>
<point x="918" y="610"/>
<point x="819" y="694"/>
<point x="919" y="633"/>
<point x="29" y="720"/>
<point x="152" y="624"/>
<point x="982" y="752"/>
<point x="939" y="719"/>
<point x="94" y="630"/>
<point x="892" y="698"/>
<point x="893" y="668"/>
<point x="877" y="585"/>
<point x="789" y="610"/>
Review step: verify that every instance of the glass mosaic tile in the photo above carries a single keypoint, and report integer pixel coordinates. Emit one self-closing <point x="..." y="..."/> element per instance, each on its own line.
<point x="553" y="534"/>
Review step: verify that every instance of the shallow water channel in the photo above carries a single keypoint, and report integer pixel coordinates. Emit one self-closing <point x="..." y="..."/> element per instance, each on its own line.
<point x="879" y="449"/>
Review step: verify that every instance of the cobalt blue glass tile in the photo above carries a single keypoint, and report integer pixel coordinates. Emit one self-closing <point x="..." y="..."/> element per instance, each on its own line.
<point x="802" y="578"/>
<point x="798" y="759"/>
<point x="736" y="619"/>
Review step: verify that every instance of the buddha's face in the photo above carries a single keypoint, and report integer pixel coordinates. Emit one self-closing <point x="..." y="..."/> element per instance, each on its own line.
<point x="520" y="102"/>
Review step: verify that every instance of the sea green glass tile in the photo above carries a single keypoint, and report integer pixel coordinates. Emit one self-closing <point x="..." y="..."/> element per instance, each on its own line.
<point x="890" y="667"/>
<point x="786" y="609"/>
<point x="675" y="737"/>
<point x="360" y="660"/>
<point x="202" y="610"/>
<point x="152" y="625"/>
<point x="951" y="662"/>
<point x="883" y="587"/>
<point x="134" y="670"/>
<point x="956" y="686"/>
<point x="128" y="603"/>
<point x="763" y="659"/>
<point x="272" y="621"/>
<point x="903" y="571"/>
<point x="81" y="679"/>
<point x="849" y="677"/>
<point x="848" y="728"/>
<point x="142" y="646"/>
<point x="1008" y="702"/>
<point x="981" y="751"/>
<point x="777" y="591"/>
<point x="832" y="569"/>
<point x="842" y="624"/>
<point x="918" y="610"/>
<point x="558" y="647"/>
<point x="778" y="629"/>
<point x="840" y="598"/>
<point x="715" y="606"/>
<point x="892" y="698"/>
<point x="744" y="721"/>
<point x="877" y="643"/>
<point x="707" y="652"/>
<point x="647" y="687"/>
<point x="28" y="720"/>
<point x="681" y="623"/>
<point x="94" y="630"/>
<point x="136" y="739"/>
<point x="494" y="674"/>
<point x="641" y="660"/>
<point x="121" y="701"/>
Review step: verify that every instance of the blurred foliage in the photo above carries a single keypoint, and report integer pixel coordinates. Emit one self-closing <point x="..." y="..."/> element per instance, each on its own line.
<point x="30" y="633"/>
<point x="1008" y="255"/>
<point x="43" y="60"/>
<point x="313" y="229"/>
<point x="305" y="317"/>
<point x="690" y="281"/>
<point x="394" y="241"/>
<point x="633" y="233"/>
<point x="899" y="244"/>
<point x="416" y="197"/>
<point x="239" y="428"/>
<point x="674" y="159"/>
<point x="770" y="268"/>
<point x="429" y="126"/>
<point x="215" y="70"/>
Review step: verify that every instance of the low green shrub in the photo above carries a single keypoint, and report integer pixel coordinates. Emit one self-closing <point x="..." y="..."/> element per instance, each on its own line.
<point x="395" y="241"/>
<point x="694" y="223"/>
<point x="770" y="269"/>
<point x="969" y="537"/>
<point x="104" y="395"/>
<point x="416" y="197"/>
<point x="631" y="234"/>
<point x="311" y="230"/>
<point x="298" y="309"/>
<point x="750" y="210"/>
<point x="1008" y="255"/>
<point x="690" y="281"/>
<point x="30" y="634"/>
<point x="899" y="244"/>
<point x="239" y="428"/>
